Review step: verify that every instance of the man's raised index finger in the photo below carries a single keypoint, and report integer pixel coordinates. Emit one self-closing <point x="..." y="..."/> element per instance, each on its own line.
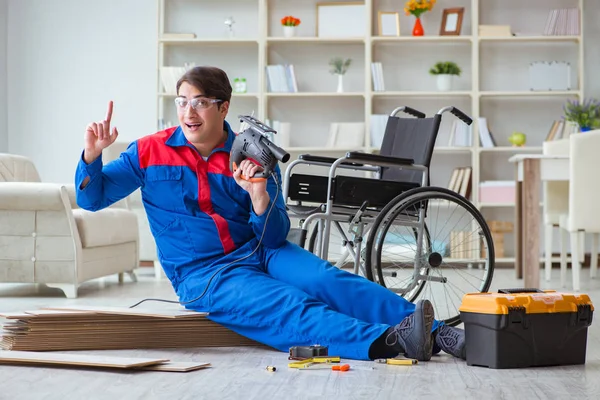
<point x="109" y="112"/>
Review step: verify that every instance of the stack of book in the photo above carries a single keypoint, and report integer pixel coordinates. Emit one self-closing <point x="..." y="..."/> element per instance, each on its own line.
<point x="461" y="134"/>
<point x="281" y="79"/>
<point x="460" y="181"/>
<point x="104" y="328"/>
<point x="461" y="244"/>
<point x="563" y="22"/>
<point x="169" y="77"/>
<point x="485" y="133"/>
<point x="561" y="129"/>
<point x="377" y="75"/>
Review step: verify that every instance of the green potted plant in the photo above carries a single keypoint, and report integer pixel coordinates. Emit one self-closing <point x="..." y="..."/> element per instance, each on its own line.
<point x="339" y="66"/>
<point x="445" y="72"/>
<point x="585" y="114"/>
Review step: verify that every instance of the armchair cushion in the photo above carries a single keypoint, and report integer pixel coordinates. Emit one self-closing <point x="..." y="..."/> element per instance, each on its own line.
<point x="15" y="168"/>
<point x="106" y="227"/>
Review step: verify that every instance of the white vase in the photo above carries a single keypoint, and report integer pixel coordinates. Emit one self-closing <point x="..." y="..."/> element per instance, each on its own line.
<point x="289" y="31"/>
<point x="340" y="87"/>
<point x="444" y="82"/>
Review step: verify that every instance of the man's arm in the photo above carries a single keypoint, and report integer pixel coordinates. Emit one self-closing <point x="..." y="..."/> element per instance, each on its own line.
<point x="98" y="187"/>
<point x="278" y="222"/>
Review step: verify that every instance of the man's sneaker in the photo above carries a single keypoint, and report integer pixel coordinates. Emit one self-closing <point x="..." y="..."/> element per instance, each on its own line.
<point x="451" y="340"/>
<point x="412" y="336"/>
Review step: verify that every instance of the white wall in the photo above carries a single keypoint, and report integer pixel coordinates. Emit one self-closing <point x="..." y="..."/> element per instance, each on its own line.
<point x="3" y="63"/>
<point x="66" y="60"/>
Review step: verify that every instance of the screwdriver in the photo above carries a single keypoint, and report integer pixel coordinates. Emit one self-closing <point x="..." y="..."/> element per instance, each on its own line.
<point x="343" y="368"/>
<point x="396" y="361"/>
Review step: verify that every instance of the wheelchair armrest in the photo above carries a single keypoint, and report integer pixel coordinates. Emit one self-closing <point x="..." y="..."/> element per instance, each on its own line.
<point x="323" y="159"/>
<point x="374" y="158"/>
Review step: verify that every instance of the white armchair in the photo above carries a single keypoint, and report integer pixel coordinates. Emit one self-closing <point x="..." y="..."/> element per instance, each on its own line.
<point x="583" y="214"/>
<point x="46" y="238"/>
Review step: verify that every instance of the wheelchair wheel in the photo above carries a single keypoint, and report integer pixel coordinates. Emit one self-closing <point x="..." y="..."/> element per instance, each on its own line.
<point x="381" y="274"/>
<point x="451" y="254"/>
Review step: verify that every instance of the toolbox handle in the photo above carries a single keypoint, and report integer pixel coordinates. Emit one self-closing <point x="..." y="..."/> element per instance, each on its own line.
<point x="522" y="290"/>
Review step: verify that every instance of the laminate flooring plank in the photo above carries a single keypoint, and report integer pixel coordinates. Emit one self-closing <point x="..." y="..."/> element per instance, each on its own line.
<point x="133" y="311"/>
<point x="175" y="366"/>
<point x="29" y="357"/>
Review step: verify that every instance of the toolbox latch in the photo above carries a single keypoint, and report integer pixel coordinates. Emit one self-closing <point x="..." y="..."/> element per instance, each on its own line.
<point x="583" y="316"/>
<point x="518" y="315"/>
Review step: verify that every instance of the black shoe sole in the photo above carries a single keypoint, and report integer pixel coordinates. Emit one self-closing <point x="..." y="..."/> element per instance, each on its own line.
<point x="424" y="318"/>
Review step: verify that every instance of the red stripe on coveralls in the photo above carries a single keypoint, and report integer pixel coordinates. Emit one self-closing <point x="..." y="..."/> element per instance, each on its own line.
<point x="152" y="150"/>
<point x="219" y="164"/>
<point x="204" y="200"/>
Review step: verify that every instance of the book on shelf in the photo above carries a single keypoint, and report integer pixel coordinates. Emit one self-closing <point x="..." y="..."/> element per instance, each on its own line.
<point x="377" y="127"/>
<point x="169" y="77"/>
<point x="281" y="79"/>
<point x="485" y="134"/>
<point x="377" y="76"/>
<point x="283" y="132"/>
<point x="466" y="244"/>
<point x="346" y="135"/>
<point x="561" y="129"/>
<point x="461" y="134"/>
<point x="563" y="22"/>
<point x="461" y="182"/>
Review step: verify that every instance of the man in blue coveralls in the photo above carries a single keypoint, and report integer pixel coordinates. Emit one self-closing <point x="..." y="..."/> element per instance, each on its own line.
<point x="208" y="223"/>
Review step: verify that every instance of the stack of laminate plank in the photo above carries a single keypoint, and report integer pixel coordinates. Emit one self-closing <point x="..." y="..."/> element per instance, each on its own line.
<point x="104" y="328"/>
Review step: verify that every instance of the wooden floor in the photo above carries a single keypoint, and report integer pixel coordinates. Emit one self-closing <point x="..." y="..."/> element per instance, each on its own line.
<point x="239" y="373"/>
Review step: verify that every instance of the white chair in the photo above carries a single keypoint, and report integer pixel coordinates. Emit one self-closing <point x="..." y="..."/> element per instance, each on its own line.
<point x="555" y="203"/>
<point x="46" y="238"/>
<point x="584" y="208"/>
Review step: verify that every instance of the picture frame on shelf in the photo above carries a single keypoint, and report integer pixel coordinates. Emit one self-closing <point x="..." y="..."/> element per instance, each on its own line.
<point x="452" y="21"/>
<point x="388" y="23"/>
<point x="341" y="19"/>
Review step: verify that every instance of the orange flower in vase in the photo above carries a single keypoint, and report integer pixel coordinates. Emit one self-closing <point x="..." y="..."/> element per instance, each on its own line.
<point x="289" y="25"/>
<point x="416" y="8"/>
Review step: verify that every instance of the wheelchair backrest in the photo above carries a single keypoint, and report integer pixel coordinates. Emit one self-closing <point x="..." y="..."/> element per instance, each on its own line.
<point x="412" y="138"/>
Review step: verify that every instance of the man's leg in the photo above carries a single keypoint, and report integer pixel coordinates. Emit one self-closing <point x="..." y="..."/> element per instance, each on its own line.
<point x="351" y="294"/>
<point x="345" y="292"/>
<point x="248" y="301"/>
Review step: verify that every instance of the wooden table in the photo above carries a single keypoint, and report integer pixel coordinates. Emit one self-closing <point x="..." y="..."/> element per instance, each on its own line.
<point x="531" y="170"/>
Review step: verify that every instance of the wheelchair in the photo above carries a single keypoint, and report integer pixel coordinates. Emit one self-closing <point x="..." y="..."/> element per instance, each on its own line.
<point x="421" y="241"/>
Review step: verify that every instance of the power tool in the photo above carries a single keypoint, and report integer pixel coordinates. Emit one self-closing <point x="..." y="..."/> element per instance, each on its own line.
<point x="305" y="352"/>
<point x="253" y="144"/>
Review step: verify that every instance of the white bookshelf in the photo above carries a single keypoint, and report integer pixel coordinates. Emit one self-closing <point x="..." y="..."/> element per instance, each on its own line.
<point x="493" y="83"/>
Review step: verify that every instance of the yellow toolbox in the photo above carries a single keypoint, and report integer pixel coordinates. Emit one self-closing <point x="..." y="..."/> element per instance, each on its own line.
<point x="525" y="328"/>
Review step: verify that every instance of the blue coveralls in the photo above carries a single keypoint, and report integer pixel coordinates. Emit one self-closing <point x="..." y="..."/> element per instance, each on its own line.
<point x="201" y="219"/>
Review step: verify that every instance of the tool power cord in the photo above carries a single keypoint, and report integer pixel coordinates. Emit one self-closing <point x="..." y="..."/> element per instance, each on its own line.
<point x="226" y="265"/>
